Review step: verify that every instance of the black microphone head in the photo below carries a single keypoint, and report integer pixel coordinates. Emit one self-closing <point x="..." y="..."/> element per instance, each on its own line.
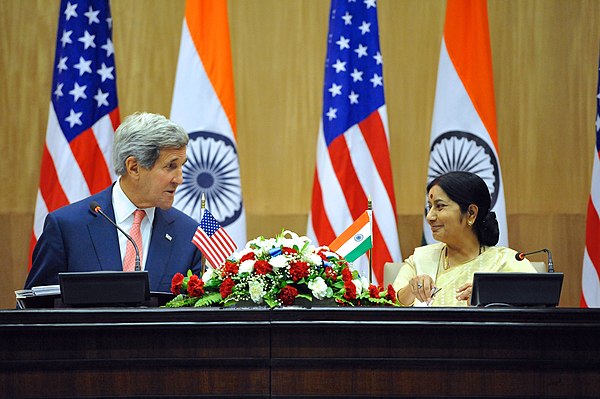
<point x="95" y="206"/>
<point x="520" y="256"/>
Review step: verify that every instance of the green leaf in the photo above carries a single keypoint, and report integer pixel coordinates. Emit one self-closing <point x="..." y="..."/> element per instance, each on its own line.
<point x="181" y="301"/>
<point x="272" y="303"/>
<point x="189" y="273"/>
<point x="209" y="299"/>
<point x="306" y="243"/>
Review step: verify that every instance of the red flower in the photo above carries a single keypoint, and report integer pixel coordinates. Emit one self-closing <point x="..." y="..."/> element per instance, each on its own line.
<point x="373" y="291"/>
<point x="391" y="293"/>
<point x="288" y="295"/>
<point x="230" y="268"/>
<point x="262" y="267"/>
<point x="248" y="256"/>
<point x="176" y="283"/>
<point x="350" y="293"/>
<point x="346" y="274"/>
<point x="298" y="270"/>
<point x="226" y="287"/>
<point x="195" y="286"/>
<point x="288" y="251"/>
<point x="330" y="273"/>
<point x="321" y="253"/>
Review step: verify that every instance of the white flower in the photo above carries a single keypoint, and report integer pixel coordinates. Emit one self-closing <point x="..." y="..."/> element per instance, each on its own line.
<point x="278" y="261"/>
<point x="246" y="266"/>
<point x="365" y="282"/>
<point x="207" y="274"/>
<point x="314" y="259"/>
<point x="238" y="255"/>
<point x="318" y="287"/>
<point x="359" y="286"/>
<point x="256" y="290"/>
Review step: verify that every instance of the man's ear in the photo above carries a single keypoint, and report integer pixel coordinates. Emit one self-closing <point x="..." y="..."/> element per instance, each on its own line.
<point x="132" y="167"/>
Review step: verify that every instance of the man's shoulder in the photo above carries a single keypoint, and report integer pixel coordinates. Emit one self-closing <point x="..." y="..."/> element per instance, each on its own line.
<point x="82" y="207"/>
<point x="175" y="215"/>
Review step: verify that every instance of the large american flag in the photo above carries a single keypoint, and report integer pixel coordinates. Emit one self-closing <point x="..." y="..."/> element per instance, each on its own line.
<point x="83" y="114"/>
<point x="212" y="240"/>
<point x="590" y="279"/>
<point x="353" y="159"/>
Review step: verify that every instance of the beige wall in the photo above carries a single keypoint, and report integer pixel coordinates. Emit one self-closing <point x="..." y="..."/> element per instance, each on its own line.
<point x="545" y="55"/>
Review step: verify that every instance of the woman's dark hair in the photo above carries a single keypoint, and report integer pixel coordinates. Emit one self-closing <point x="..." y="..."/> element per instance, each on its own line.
<point x="466" y="188"/>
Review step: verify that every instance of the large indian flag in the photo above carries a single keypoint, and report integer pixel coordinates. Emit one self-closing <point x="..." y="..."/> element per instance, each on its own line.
<point x="463" y="132"/>
<point x="204" y="104"/>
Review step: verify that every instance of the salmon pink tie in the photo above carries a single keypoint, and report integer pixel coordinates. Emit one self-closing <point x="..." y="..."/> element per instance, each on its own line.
<point x="136" y="234"/>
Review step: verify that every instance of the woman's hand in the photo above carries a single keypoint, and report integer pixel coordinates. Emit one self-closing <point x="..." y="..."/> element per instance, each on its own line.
<point x="421" y="287"/>
<point x="464" y="292"/>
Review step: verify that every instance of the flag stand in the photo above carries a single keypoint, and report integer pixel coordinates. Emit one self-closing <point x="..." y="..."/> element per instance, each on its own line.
<point x="370" y="255"/>
<point x="202" y="207"/>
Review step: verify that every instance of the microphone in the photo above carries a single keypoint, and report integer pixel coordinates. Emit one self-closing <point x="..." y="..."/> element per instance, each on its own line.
<point x="95" y="207"/>
<point x="522" y="255"/>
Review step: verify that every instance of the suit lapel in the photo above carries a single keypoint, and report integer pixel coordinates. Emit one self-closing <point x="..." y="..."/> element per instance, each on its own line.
<point x="104" y="235"/>
<point x="161" y="246"/>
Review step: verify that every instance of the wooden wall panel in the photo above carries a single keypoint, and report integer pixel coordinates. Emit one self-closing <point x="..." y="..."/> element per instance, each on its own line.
<point x="545" y="55"/>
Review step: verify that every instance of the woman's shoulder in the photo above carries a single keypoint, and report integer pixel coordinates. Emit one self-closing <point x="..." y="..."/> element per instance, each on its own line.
<point x="429" y="252"/>
<point x="438" y="246"/>
<point x="506" y="257"/>
<point x="502" y="250"/>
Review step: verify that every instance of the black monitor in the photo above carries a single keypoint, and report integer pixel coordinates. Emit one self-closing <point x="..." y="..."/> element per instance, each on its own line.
<point x="104" y="288"/>
<point x="516" y="289"/>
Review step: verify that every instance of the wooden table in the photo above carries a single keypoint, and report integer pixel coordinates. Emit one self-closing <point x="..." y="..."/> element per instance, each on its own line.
<point x="297" y="352"/>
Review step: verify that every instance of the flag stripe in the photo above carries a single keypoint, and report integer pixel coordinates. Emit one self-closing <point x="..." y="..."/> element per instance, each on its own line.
<point x="51" y="193"/>
<point x="67" y="169"/>
<point x="363" y="247"/>
<point x="344" y="170"/>
<point x="473" y="67"/>
<point x="319" y="217"/>
<point x="379" y="147"/>
<point x="331" y="196"/>
<point x="590" y="276"/>
<point x="592" y="232"/>
<point x="92" y="163"/>
<point x="381" y="253"/>
<point x="211" y="41"/>
<point x="361" y="223"/>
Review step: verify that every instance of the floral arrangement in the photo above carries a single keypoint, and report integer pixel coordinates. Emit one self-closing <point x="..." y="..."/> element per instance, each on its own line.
<point x="276" y="272"/>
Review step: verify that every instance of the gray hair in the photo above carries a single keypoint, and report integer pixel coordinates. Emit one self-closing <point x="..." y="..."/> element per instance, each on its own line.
<point x="142" y="135"/>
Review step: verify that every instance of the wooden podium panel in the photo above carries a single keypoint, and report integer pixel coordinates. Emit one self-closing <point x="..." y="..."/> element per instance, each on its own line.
<point x="302" y="353"/>
<point x="135" y="352"/>
<point x="435" y="352"/>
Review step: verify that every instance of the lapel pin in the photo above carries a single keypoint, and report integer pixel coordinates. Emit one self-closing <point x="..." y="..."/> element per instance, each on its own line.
<point x="168" y="237"/>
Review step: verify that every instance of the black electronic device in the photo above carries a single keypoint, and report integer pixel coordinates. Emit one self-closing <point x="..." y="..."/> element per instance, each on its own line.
<point x="516" y="289"/>
<point x="104" y="288"/>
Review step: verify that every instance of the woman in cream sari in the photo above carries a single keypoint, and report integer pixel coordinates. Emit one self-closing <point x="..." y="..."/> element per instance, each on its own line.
<point x="460" y="218"/>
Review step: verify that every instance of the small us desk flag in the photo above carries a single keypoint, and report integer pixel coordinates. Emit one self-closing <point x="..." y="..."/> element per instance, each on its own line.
<point x="590" y="281"/>
<point x="212" y="240"/>
<point x="84" y="112"/>
<point x="204" y="105"/>
<point x="463" y="130"/>
<point x="353" y="158"/>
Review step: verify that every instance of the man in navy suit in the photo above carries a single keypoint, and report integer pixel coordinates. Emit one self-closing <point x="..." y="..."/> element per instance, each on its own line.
<point x="148" y="155"/>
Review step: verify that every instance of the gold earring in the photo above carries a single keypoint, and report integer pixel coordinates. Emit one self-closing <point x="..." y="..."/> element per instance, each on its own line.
<point x="470" y="223"/>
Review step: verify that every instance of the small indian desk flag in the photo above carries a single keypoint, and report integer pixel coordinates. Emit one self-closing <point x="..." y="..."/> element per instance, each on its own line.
<point x="355" y="240"/>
